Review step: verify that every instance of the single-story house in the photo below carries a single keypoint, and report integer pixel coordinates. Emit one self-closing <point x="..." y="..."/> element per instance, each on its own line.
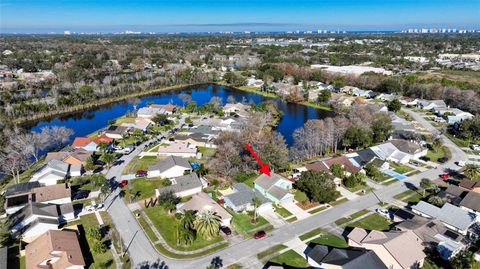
<point x="203" y="129"/>
<point x="141" y="124"/>
<point x="19" y="195"/>
<point x="51" y="172"/>
<point x="386" y="97"/>
<point x="116" y="132"/>
<point x="255" y="83"/>
<point x="241" y="199"/>
<point x="470" y="185"/>
<point x="399" y="151"/>
<point x="149" y="112"/>
<point x="396" y="249"/>
<point x="274" y="187"/>
<point x="73" y="156"/>
<point x="168" y="109"/>
<point x="89" y="144"/>
<point x="179" y="149"/>
<point x="471" y="202"/>
<point x="402" y="127"/>
<point x="170" y="167"/>
<point x="55" y="249"/>
<point x="196" y="139"/>
<point x="413" y="149"/>
<point x="202" y="202"/>
<point x="431" y="104"/>
<point x="326" y="165"/>
<point x="453" y="217"/>
<point x="183" y="185"/>
<point x="321" y="256"/>
<point x="362" y="157"/>
<point x="235" y="108"/>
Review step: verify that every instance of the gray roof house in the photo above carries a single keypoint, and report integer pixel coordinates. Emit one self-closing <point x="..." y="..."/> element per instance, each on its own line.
<point x="453" y="217"/>
<point x="241" y="198"/>
<point x="172" y="166"/>
<point x="275" y="187"/>
<point x="325" y="257"/>
<point x="471" y="202"/>
<point x="51" y="172"/>
<point x="183" y="186"/>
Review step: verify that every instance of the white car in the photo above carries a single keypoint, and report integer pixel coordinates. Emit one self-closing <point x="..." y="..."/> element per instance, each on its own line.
<point x="461" y="163"/>
<point x="383" y="212"/>
<point x="475" y="147"/>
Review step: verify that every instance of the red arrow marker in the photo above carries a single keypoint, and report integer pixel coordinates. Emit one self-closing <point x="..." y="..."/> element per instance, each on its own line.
<point x="263" y="167"/>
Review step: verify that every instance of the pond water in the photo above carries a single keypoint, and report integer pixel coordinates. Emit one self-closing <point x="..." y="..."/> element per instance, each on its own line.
<point x="294" y="115"/>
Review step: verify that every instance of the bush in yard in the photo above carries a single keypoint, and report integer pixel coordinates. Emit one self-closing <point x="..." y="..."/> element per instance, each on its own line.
<point x="338" y="170"/>
<point x="94" y="233"/>
<point x="242" y="176"/>
<point x="168" y="200"/>
<point x="98" y="247"/>
<point x="350" y="182"/>
<point x="436" y="200"/>
<point x="373" y="172"/>
<point x="317" y="186"/>
<point x="394" y="105"/>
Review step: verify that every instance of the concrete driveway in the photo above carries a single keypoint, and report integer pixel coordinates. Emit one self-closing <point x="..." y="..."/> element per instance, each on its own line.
<point x="296" y="210"/>
<point x="273" y="218"/>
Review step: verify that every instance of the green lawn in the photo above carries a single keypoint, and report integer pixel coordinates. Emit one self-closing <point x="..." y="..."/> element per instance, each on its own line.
<point x="145" y="188"/>
<point x="311" y="234"/>
<point x="404" y="194"/>
<point x="442" y="152"/>
<point x="290" y="258"/>
<point x="282" y="211"/>
<point x="207" y="153"/>
<point x="415" y="198"/>
<point x="124" y="119"/>
<point x="351" y="217"/>
<point x="100" y="260"/>
<point x="148" y="230"/>
<point x="270" y="251"/>
<point x="292" y="219"/>
<point x="339" y="201"/>
<point x="127" y="141"/>
<point x="140" y="164"/>
<point x="332" y="240"/>
<point x="399" y="168"/>
<point x="167" y="226"/>
<point x="161" y="249"/>
<point x="318" y="209"/>
<point x="372" y="222"/>
<point x="301" y="196"/>
<point x="242" y="222"/>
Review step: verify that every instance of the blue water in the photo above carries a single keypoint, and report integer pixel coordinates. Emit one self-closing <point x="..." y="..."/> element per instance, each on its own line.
<point x="294" y="115"/>
<point x="394" y="174"/>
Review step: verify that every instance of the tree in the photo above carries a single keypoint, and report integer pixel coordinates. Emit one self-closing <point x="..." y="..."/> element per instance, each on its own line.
<point x="373" y="171"/>
<point x="353" y="180"/>
<point x="4" y="232"/>
<point x="161" y="119"/>
<point x="94" y="233"/>
<point x="394" y="105"/>
<point x="98" y="247"/>
<point x="357" y="137"/>
<point x="324" y="96"/>
<point x="103" y="147"/>
<point x="89" y="163"/>
<point x="207" y="224"/>
<point x="185" y="237"/>
<point x="425" y="184"/>
<point x="104" y="189"/>
<point x="472" y="171"/>
<point x="317" y="186"/>
<point x="256" y="202"/>
<point x="381" y="127"/>
<point x="187" y="219"/>
<point x="436" y="200"/>
<point x="338" y="170"/>
<point x="436" y="144"/>
<point x="108" y="158"/>
<point x="216" y="102"/>
<point x="168" y="200"/>
<point x="463" y="260"/>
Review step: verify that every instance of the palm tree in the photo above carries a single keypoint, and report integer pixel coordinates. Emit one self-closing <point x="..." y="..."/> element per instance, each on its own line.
<point x="207" y="224"/>
<point x="108" y="158"/>
<point x="185" y="236"/>
<point x="436" y="144"/>
<point x="103" y="147"/>
<point x="425" y="184"/>
<point x="256" y="202"/>
<point x="472" y="171"/>
<point x="104" y="191"/>
<point x="187" y="219"/>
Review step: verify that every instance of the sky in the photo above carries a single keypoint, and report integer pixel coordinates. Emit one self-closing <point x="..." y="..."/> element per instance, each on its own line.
<point x="43" y="16"/>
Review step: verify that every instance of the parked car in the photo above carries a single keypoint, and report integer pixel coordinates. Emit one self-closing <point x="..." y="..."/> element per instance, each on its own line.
<point x="444" y="176"/>
<point x="226" y="230"/>
<point x="141" y="173"/>
<point x="425" y="158"/>
<point x="81" y="194"/>
<point x="443" y="160"/>
<point x="461" y="163"/>
<point x="475" y="147"/>
<point x="383" y="212"/>
<point x="260" y="234"/>
<point x="123" y="183"/>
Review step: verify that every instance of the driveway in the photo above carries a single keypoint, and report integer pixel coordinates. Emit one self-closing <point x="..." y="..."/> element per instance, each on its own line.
<point x="273" y="218"/>
<point x="296" y="210"/>
<point x="346" y="193"/>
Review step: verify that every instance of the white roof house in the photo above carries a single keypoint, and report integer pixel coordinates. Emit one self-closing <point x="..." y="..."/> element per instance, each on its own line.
<point x="178" y="149"/>
<point x="235" y="108"/>
<point x="431" y="104"/>
<point x="202" y="202"/>
<point x="51" y="172"/>
<point x="149" y="112"/>
<point x="169" y="167"/>
<point x="399" y="151"/>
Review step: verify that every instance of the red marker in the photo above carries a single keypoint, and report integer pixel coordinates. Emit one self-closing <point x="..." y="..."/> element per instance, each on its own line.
<point x="263" y="167"/>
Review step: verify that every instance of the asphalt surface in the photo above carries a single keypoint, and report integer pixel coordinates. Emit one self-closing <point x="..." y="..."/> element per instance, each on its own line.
<point x="144" y="255"/>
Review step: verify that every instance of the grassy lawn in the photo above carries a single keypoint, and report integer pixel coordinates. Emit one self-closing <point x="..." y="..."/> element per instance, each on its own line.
<point x="389" y="182"/>
<point x="145" y="188"/>
<point x="372" y="222"/>
<point x="332" y="240"/>
<point x="339" y="201"/>
<point x="442" y="152"/>
<point x="207" y="153"/>
<point x="167" y="253"/>
<point x="300" y="196"/>
<point x="282" y="211"/>
<point x="270" y="251"/>
<point x="140" y="164"/>
<point x="399" y="168"/>
<point x="290" y="258"/>
<point x="318" y="209"/>
<point x="317" y="106"/>
<point x="124" y="119"/>
<point x="311" y="234"/>
<point x="167" y="226"/>
<point x="415" y="198"/>
<point x="242" y="222"/>
<point x="404" y="194"/>
<point x="148" y="230"/>
<point x="100" y="260"/>
<point x="351" y="217"/>
<point x="127" y="141"/>
<point x="257" y="91"/>
<point x="381" y="177"/>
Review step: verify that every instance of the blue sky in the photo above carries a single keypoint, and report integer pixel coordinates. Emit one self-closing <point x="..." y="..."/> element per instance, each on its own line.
<point x="233" y="15"/>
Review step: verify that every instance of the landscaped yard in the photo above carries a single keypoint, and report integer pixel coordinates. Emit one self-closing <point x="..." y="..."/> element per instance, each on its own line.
<point x="124" y="119"/>
<point x="399" y="168"/>
<point x="282" y="211"/>
<point x="167" y="226"/>
<point x="207" y="153"/>
<point x="300" y="196"/>
<point x="372" y="222"/>
<point x="311" y="234"/>
<point x="140" y="164"/>
<point x="144" y="188"/>
<point x="290" y="258"/>
<point x="330" y="239"/>
<point x="242" y="222"/>
<point x="351" y="217"/>
<point x="442" y="152"/>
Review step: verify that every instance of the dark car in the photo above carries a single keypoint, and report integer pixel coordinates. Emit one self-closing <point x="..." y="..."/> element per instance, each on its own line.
<point x="81" y="194"/>
<point x="260" y="234"/>
<point x="443" y="160"/>
<point x="226" y="230"/>
<point x="141" y="173"/>
<point x="425" y="158"/>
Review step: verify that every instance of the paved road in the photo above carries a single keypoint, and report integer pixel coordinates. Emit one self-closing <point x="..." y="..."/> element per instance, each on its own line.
<point x="141" y="251"/>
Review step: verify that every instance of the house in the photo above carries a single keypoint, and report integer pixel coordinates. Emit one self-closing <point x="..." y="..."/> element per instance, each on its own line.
<point x="453" y="194"/>
<point x="116" y="132"/>
<point x="433" y="233"/>
<point x="402" y="127"/>
<point x="399" y="151"/>
<point x="37" y="218"/>
<point x="172" y="166"/>
<point x="470" y="185"/>
<point x="396" y="249"/>
<point x="362" y="157"/>
<point x="431" y="104"/>
<point x="51" y="172"/>
<point x="203" y="129"/>
<point x="237" y="108"/>
<point x="55" y="249"/>
<point x="241" y="199"/>
<point x="471" y="202"/>
<point x="179" y="149"/>
<point x="89" y="144"/>
<point x="453" y="217"/>
<point x="19" y="195"/>
<point x="141" y="124"/>
<point x="321" y="256"/>
<point x="167" y="109"/>
<point x="274" y="187"/>
<point x="149" y="112"/>
<point x="183" y="185"/>
<point x="202" y="202"/>
<point x="414" y="150"/>
<point x="326" y="165"/>
<point x="254" y="83"/>
<point x="385" y="97"/>
<point x="196" y="139"/>
<point x="408" y="101"/>
<point x="72" y="156"/>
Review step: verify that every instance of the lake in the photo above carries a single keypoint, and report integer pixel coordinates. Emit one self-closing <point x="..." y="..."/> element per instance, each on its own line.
<point x="294" y="115"/>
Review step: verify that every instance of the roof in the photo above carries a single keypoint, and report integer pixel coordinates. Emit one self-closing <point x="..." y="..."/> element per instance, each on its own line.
<point x="169" y="162"/>
<point x="183" y="183"/>
<point x="342" y="160"/>
<point x="404" y="246"/>
<point x="406" y="146"/>
<point x="112" y="129"/>
<point x="61" y="247"/>
<point x="428" y="229"/>
<point x="346" y="258"/>
<point x="453" y="194"/>
<point x="177" y="148"/>
<point x="469" y="184"/>
<point x="202" y="202"/>
<point x="21" y="188"/>
<point x="269" y="183"/>
<point x="52" y="192"/>
<point x="58" y="166"/>
<point x="384" y="150"/>
<point x="167" y="107"/>
<point x="243" y="195"/>
<point x="471" y="201"/>
<point x="78" y="154"/>
<point x="366" y="155"/>
<point x="102" y="139"/>
<point x="39" y="209"/>
<point x="199" y="137"/>
<point x="448" y="214"/>
<point x="81" y="141"/>
<point x="317" y="166"/>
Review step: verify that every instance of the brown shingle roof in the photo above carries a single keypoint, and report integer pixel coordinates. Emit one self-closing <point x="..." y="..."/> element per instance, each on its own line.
<point x="52" y="192"/>
<point x="342" y="160"/>
<point x="469" y="184"/>
<point x="61" y="248"/>
<point x="471" y="201"/>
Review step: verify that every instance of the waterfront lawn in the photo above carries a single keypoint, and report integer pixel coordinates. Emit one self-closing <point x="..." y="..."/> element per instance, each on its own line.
<point x="124" y="119"/>
<point x="242" y="222"/>
<point x="167" y="226"/>
<point x="140" y="164"/>
<point x="144" y="188"/>
<point x="290" y="259"/>
<point x="372" y="222"/>
<point x="329" y="239"/>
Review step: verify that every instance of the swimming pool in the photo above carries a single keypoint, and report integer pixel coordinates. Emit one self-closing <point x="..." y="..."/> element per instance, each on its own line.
<point x="394" y="174"/>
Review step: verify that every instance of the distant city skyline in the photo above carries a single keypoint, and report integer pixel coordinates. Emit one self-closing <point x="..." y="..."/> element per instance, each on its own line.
<point x="44" y="16"/>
